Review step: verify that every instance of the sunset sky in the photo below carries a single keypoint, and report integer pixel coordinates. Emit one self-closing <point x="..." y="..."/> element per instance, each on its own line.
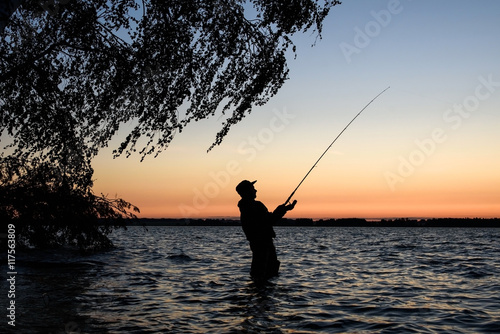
<point x="427" y="147"/>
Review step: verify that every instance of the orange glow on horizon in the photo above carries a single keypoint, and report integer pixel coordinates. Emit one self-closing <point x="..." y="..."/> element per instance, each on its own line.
<point x="339" y="210"/>
<point x="182" y="192"/>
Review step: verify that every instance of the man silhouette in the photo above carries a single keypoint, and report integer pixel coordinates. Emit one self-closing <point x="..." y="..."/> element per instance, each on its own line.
<point x="257" y="223"/>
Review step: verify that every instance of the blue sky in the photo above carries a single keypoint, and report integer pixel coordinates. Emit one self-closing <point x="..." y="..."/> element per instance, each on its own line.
<point x="426" y="147"/>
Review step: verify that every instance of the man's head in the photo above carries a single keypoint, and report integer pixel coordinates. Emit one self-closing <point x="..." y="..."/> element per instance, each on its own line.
<point x="246" y="189"/>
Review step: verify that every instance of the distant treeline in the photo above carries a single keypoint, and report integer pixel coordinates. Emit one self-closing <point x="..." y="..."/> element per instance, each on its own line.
<point x="398" y="222"/>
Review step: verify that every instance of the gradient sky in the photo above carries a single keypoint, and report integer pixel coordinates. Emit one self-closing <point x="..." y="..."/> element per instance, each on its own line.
<point x="428" y="147"/>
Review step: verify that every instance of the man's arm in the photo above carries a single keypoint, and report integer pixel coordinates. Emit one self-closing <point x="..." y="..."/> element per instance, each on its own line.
<point x="282" y="209"/>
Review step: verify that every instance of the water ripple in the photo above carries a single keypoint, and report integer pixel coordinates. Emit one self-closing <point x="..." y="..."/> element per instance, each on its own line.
<point x="333" y="280"/>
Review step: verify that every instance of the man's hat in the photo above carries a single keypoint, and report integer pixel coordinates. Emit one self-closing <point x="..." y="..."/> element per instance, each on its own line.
<point x="243" y="186"/>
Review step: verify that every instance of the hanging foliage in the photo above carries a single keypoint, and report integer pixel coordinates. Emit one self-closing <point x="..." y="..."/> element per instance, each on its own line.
<point x="72" y="72"/>
<point x="158" y="65"/>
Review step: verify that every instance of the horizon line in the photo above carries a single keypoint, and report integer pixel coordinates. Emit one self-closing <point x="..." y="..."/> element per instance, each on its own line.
<point x="318" y="219"/>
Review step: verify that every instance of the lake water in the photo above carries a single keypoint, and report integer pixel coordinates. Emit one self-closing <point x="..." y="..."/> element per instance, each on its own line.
<point x="332" y="280"/>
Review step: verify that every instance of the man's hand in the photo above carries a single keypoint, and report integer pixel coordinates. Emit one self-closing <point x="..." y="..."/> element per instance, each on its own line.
<point x="282" y="209"/>
<point x="290" y="206"/>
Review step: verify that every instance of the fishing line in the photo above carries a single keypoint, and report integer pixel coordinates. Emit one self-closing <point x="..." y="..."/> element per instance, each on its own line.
<point x="341" y="132"/>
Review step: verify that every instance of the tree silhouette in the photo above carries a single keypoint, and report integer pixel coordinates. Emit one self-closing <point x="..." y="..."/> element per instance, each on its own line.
<point x="73" y="71"/>
<point x="52" y="205"/>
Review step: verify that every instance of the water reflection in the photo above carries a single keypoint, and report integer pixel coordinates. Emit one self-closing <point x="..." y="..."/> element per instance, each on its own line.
<point x="49" y="288"/>
<point x="331" y="281"/>
<point x="259" y="314"/>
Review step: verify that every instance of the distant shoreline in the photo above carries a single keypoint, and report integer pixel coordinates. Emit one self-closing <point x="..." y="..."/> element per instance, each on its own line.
<point x="397" y="222"/>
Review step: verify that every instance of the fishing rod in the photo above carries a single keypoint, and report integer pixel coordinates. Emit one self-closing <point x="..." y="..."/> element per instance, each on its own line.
<point x="341" y="132"/>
